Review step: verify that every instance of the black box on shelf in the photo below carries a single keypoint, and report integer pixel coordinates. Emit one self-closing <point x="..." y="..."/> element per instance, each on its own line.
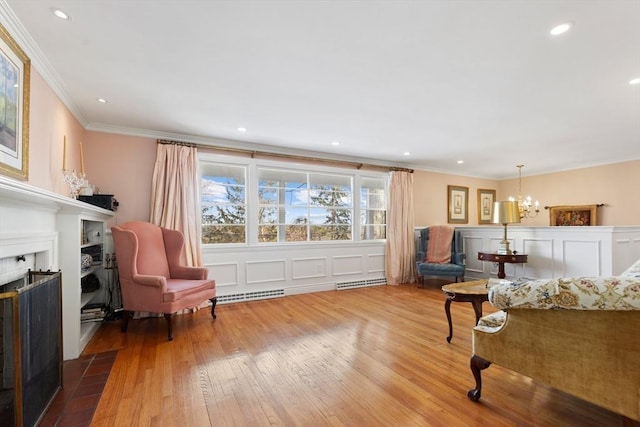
<point x="105" y="201"/>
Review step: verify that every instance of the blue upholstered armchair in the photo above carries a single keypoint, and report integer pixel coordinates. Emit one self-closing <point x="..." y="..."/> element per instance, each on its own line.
<point x="455" y="269"/>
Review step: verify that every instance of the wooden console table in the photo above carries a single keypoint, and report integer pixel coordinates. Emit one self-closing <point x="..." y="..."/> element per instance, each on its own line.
<point x="501" y="259"/>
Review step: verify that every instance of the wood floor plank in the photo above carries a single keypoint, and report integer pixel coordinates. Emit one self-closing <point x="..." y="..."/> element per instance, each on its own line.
<point x="372" y="356"/>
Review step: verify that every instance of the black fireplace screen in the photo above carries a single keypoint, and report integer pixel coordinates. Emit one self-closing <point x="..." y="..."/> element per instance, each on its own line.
<point x="25" y="394"/>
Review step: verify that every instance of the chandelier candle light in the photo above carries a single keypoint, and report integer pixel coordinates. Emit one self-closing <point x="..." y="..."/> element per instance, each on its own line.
<point x="525" y="208"/>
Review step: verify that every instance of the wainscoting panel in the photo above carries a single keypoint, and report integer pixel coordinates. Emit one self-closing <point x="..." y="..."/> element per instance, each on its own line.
<point x="308" y="268"/>
<point x="472" y="245"/>
<point x="626" y="251"/>
<point x="347" y="265"/>
<point x="581" y="258"/>
<point x="265" y="271"/>
<point x="375" y="264"/>
<point x="225" y="274"/>
<point x="555" y="252"/>
<point x="540" y="258"/>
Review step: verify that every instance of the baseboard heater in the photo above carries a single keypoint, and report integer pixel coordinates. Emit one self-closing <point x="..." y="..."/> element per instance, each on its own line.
<point x="250" y="296"/>
<point x="361" y="283"/>
<point x="275" y="293"/>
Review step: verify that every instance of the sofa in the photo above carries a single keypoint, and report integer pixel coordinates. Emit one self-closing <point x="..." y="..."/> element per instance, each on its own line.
<point x="579" y="335"/>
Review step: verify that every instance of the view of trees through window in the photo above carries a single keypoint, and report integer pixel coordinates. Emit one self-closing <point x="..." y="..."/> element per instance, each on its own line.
<point x="291" y="206"/>
<point x="223" y="203"/>
<point x="298" y="206"/>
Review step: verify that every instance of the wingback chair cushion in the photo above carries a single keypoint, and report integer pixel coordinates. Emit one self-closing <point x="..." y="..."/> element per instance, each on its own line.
<point x="152" y="252"/>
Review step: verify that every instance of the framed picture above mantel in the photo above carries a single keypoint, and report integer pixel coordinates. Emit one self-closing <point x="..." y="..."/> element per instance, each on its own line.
<point x="576" y="215"/>
<point x="15" y="75"/>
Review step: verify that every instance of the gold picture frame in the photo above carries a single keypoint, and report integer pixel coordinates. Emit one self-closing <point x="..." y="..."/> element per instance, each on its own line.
<point x="486" y="198"/>
<point x="578" y="215"/>
<point x="15" y="78"/>
<point x="457" y="204"/>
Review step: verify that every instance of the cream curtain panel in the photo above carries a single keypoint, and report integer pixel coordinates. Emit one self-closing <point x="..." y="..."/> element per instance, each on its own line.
<point x="175" y="195"/>
<point x="400" y="248"/>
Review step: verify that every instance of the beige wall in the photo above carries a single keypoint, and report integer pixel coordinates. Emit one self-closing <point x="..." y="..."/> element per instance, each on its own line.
<point x="614" y="185"/>
<point x="123" y="166"/>
<point x="430" y="196"/>
<point x="49" y="122"/>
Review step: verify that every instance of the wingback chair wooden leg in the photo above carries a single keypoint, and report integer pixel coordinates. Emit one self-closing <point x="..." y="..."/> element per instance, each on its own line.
<point x="169" y="318"/>
<point x="214" y="301"/>
<point x="125" y="320"/>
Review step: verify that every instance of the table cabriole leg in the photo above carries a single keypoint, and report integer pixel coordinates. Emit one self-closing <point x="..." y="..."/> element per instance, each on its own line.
<point x="477" y="308"/>
<point x="447" y="310"/>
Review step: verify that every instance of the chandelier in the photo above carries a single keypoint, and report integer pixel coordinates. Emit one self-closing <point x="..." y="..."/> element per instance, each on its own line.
<point x="525" y="207"/>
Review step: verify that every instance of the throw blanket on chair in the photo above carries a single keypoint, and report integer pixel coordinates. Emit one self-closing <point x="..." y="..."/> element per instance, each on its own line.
<point x="439" y="244"/>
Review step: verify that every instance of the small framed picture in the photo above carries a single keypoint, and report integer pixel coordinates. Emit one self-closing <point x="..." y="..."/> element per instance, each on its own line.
<point x="485" y="205"/>
<point x="582" y="215"/>
<point x="458" y="204"/>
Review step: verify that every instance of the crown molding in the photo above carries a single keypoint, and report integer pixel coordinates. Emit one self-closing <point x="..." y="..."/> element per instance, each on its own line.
<point x="234" y="144"/>
<point x="39" y="61"/>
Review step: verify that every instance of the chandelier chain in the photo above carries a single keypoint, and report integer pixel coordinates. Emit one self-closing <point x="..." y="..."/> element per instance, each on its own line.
<point x="525" y="207"/>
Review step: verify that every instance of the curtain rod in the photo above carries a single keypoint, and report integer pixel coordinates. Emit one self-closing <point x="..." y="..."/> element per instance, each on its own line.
<point x="254" y="153"/>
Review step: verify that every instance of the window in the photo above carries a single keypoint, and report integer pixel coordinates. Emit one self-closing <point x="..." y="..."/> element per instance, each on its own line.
<point x="296" y="206"/>
<point x="223" y="199"/>
<point x="373" y="209"/>
<point x="254" y="202"/>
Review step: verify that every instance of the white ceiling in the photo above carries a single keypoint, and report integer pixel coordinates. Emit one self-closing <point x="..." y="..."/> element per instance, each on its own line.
<point x="479" y="81"/>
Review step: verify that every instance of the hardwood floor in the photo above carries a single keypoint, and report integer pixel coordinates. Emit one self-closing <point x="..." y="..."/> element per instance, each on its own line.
<point x="370" y="356"/>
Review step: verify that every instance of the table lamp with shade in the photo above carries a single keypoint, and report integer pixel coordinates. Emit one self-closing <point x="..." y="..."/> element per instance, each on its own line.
<point x="505" y="213"/>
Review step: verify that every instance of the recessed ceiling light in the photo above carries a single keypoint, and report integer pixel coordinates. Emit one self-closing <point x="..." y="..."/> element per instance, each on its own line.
<point x="406" y="153"/>
<point x="635" y="81"/>
<point x="241" y="129"/>
<point x="335" y="143"/>
<point x="460" y="162"/>
<point x="60" y="14"/>
<point x="101" y="100"/>
<point x="561" y="29"/>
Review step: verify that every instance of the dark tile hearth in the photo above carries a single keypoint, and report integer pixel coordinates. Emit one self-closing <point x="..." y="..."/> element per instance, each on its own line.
<point x="84" y="379"/>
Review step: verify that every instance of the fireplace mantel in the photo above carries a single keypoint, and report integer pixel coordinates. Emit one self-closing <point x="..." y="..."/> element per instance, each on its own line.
<point x="28" y="225"/>
<point x="15" y="194"/>
<point x="40" y="230"/>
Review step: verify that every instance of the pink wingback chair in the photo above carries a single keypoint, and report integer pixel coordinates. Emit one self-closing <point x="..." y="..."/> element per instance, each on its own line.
<point x="153" y="272"/>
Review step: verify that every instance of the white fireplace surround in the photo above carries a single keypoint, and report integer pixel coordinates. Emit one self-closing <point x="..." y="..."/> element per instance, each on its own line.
<point x="38" y="250"/>
<point x="27" y="229"/>
<point x="32" y="235"/>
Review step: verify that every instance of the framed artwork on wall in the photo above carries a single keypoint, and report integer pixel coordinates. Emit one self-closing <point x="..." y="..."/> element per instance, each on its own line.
<point x="485" y="205"/>
<point x="581" y="215"/>
<point x="458" y="204"/>
<point x="15" y="76"/>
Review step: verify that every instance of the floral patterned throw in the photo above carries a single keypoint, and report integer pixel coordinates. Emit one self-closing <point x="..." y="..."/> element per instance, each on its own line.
<point x="576" y="293"/>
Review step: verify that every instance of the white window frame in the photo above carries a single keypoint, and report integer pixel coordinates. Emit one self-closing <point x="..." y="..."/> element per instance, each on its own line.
<point x="252" y="166"/>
